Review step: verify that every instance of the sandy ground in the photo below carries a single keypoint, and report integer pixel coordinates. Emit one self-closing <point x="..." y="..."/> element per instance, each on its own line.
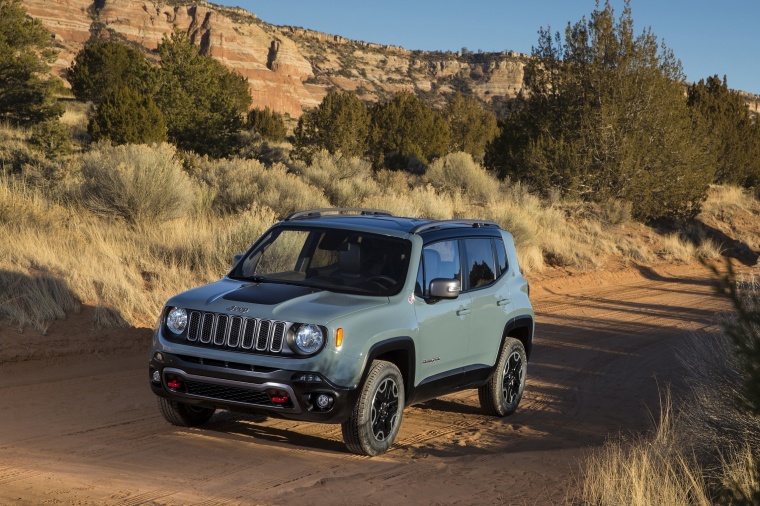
<point x="79" y="424"/>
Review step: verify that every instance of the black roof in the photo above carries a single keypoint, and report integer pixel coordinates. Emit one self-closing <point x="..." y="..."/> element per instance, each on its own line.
<point x="382" y="221"/>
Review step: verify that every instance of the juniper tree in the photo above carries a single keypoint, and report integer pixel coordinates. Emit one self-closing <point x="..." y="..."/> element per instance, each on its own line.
<point x="605" y="117"/>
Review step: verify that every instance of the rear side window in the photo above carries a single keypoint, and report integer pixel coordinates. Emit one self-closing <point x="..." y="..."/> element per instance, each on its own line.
<point x="481" y="267"/>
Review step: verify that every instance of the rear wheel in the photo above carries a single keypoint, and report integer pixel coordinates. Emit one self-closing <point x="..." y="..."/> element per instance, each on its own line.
<point x="183" y="415"/>
<point x="501" y="395"/>
<point x="374" y="422"/>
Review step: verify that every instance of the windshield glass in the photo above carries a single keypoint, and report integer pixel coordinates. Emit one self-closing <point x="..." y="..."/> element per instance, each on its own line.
<point x="338" y="260"/>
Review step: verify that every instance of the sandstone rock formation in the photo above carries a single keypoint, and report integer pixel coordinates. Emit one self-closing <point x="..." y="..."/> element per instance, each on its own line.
<point x="289" y="69"/>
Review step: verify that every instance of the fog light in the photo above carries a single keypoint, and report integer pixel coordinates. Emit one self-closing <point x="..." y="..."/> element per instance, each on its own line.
<point x="156" y="377"/>
<point x="323" y="401"/>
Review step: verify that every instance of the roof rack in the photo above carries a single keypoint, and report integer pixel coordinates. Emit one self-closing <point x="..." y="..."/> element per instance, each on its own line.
<point x="441" y="223"/>
<point x="316" y="213"/>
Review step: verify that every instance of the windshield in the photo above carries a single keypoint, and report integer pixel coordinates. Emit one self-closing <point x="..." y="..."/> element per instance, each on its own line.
<point x="338" y="260"/>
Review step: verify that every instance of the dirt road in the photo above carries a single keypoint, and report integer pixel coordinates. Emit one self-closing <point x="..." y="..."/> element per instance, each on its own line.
<point x="83" y="428"/>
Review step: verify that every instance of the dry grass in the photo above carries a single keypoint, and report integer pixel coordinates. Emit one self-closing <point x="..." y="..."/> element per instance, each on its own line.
<point x="124" y="228"/>
<point x="644" y="471"/>
<point x="706" y="451"/>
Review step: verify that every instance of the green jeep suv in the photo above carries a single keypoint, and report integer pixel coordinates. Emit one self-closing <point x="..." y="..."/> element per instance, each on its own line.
<point x="347" y="316"/>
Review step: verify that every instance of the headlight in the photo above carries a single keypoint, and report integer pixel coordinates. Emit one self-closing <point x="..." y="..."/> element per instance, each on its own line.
<point x="176" y="320"/>
<point x="309" y="338"/>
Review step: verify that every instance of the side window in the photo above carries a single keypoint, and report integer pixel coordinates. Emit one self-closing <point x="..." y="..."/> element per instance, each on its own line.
<point x="440" y="260"/>
<point x="501" y="256"/>
<point x="480" y="262"/>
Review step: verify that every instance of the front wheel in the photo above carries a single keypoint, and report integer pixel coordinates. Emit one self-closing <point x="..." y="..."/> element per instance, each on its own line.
<point x="374" y="422"/>
<point x="501" y="395"/>
<point x="183" y="415"/>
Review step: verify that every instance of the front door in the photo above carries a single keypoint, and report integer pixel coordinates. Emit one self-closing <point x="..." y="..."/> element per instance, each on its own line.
<point x="444" y="324"/>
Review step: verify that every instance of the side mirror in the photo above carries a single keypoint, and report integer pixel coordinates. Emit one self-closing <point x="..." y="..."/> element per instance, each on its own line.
<point x="441" y="288"/>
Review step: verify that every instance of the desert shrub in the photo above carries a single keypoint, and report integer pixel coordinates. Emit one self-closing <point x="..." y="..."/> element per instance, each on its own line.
<point x="713" y="422"/>
<point x="124" y="116"/>
<point x="238" y="184"/>
<point x="674" y="247"/>
<point x="34" y="300"/>
<point x="347" y="182"/>
<point x="616" y="211"/>
<point x="52" y="138"/>
<point x="723" y="200"/>
<point x="137" y="183"/>
<point x="268" y="124"/>
<point x="458" y="173"/>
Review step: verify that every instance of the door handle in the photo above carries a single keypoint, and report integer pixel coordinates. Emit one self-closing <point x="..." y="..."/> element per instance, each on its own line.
<point x="463" y="311"/>
<point x="502" y="302"/>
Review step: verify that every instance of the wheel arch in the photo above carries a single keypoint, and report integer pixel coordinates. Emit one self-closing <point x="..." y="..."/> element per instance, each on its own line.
<point x="399" y="351"/>
<point x="521" y="328"/>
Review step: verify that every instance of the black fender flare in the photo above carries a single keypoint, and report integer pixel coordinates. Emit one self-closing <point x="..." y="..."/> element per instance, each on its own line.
<point x="401" y="344"/>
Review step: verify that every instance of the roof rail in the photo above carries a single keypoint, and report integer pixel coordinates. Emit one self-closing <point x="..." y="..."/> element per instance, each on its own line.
<point x="316" y="213"/>
<point x="442" y="223"/>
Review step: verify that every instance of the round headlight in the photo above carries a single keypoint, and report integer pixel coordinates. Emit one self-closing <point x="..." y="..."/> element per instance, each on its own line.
<point x="309" y="338"/>
<point x="176" y="320"/>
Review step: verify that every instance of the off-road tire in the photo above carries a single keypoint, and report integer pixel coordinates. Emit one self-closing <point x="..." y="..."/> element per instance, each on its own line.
<point x="501" y="395"/>
<point x="375" y="420"/>
<point x="183" y="415"/>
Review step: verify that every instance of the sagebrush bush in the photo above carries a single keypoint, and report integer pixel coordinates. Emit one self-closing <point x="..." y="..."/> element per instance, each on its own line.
<point x="346" y="182"/>
<point x="237" y="185"/>
<point x="459" y="173"/>
<point x="137" y="183"/>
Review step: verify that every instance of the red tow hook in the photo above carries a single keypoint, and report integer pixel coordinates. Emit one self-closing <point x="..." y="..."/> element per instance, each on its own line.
<point x="174" y="383"/>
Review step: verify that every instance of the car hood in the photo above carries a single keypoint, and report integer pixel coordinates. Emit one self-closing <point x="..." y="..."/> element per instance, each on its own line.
<point x="274" y="301"/>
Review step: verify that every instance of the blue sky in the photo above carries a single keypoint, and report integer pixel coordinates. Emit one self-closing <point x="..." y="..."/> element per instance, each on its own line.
<point x="709" y="37"/>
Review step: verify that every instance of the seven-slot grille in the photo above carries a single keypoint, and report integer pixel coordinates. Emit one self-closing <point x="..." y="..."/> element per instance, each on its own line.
<point x="238" y="332"/>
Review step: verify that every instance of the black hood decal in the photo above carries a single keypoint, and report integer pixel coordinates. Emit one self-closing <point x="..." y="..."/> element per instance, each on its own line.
<point x="268" y="293"/>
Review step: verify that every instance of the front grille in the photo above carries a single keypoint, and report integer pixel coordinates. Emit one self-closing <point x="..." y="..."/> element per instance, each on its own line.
<point x="228" y="393"/>
<point x="236" y="332"/>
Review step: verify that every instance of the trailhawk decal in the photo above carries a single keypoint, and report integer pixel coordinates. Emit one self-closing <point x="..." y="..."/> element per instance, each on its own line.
<point x="430" y="360"/>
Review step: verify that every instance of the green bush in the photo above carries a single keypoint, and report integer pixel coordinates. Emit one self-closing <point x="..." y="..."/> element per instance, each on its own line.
<point x="104" y="65"/>
<point x="339" y="125"/>
<point x="406" y="130"/>
<point x="52" y="138"/>
<point x="27" y="94"/>
<point x="203" y="102"/>
<point x="734" y="136"/>
<point x="138" y="183"/>
<point x="471" y="126"/>
<point x="127" y="117"/>
<point x="605" y="117"/>
<point x="268" y="124"/>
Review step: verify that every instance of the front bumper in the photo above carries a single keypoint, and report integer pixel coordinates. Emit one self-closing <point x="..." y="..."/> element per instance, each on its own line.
<point x="239" y="387"/>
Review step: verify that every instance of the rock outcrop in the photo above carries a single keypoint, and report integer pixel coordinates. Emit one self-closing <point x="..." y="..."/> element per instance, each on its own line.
<point x="289" y="69"/>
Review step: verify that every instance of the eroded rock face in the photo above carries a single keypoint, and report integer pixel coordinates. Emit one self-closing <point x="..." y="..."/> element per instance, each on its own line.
<point x="289" y="69"/>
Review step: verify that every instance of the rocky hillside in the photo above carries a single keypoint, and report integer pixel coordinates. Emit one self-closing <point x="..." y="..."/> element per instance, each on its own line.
<point x="289" y="69"/>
